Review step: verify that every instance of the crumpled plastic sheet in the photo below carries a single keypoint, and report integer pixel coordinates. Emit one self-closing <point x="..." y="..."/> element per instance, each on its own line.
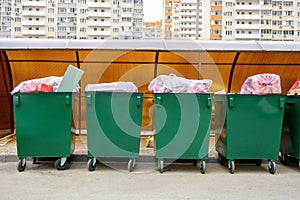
<point x="262" y="84"/>
<point x="174" y="84"/>
<point x="24" y="86"/>
<point x="119" y="86"/>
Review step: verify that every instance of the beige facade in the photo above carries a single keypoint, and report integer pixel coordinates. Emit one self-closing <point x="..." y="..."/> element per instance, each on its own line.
<point x="72" y="19"/>
<point x="265" y="20"/>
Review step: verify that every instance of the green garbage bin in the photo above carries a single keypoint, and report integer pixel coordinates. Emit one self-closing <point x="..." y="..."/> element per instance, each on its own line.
<point x="43" y="126"/>
<point x="290" y="138"/>
<point x="252" y="128"/>
<point x="182" y="124"/>
<point x="113" y="122"/>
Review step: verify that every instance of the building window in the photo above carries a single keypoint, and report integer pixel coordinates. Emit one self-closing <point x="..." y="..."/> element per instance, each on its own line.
<point x="50" y="10"/>
<point x="50" y="20"/>
<point x="17" y="29"/>
<point x="228" y="13"/>
<point x="82" y="30"/>
<point x="229" y="4"/>
<point x="82" y="1"/>
<point x="115" y="21"/>
<point x="126" y="19"/>
<point x="116" y="12"/>
<point x="82" y="20"/>
<point x="50" y="29"/>
<point x="73" y="10"/>
<point x="288" y="3"/>
<point x="17" y="19"/>
<point x="228" y="32"/>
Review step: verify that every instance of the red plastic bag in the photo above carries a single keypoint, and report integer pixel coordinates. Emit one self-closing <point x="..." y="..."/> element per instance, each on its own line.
<point x="43" y="87"/>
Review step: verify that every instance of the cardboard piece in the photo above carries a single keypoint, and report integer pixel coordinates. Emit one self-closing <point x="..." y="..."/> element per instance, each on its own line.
<point x="70" y="80"/>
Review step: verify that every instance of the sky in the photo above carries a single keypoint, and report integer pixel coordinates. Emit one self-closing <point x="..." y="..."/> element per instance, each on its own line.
<point x="152" y="10"/>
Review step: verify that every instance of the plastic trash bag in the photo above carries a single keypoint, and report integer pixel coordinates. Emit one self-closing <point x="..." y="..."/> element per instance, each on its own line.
<point x="295" y="89"/>
<point x="47" y="84"/>
<point x="262" y="84"/>
<point x="112" y="87"/>
<point x="174" y="84"/>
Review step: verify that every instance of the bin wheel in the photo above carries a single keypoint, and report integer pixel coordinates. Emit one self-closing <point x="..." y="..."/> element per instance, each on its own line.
<point x="284" y="159"/>
<point x="21" y="164"/>
<point x="272" y="167"/>
<point x="34" y="160"/>
<point x="221" y="159"/>
<point x="131" y="165"/>
<point x="161" y="166"/>
<point x="92" y="164"/>
<point x="60" y="166"/>
<point x="258" y="162"/>
<point x="202" y="165"/>
<point x="231" y="166"/>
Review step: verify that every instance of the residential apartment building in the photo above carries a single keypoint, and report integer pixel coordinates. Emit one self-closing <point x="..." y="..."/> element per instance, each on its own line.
<point x="72" y="19"/>
<point x="152" y="30"/>
<point x="277" y="20"/>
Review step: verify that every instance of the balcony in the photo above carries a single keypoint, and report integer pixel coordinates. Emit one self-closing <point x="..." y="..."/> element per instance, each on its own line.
<point x="34" y="3"/>
<point x="99" y="14"/>
<point x="188" y="14"/>
<point x="247" y="26"/>
<point x="126" y="24"/>
<point x="193" y="7"/>
<point x="188" y="20"/>
<point x="250" y="17"/>
<point x="247" y="36"/>
<point x="247" y="7"/>
<point x="98" y="23"/>
<point x="98" y="33"/>
<point x="127" y="5"/>
<point x="99" y="5"/>
<point x="34" y="32"/>
<point x="187" y="25"/>
<point x="127" y="15"/>
<point x="191" y="32"/>
<point x="33" y="23"/>
<point x="34" y="13"/>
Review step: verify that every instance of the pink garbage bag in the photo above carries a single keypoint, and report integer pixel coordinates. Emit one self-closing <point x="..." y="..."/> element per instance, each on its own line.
<point x="262" y="84"/>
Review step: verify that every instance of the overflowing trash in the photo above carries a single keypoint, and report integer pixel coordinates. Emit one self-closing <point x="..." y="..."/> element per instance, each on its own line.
<point x="67" y="83"/>
<point x="295" y="89"/>
<point x="47" y="84"/>
<point x="262" y="84"/>
<point x="120" y="86"/>
<point x="174" y="84"/>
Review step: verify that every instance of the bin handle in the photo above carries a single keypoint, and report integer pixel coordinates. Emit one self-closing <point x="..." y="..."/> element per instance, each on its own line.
<point x="88" y="99"/>
<point x="290" y="103"/>
<point x="230" y="102"/>
<point x="209" y="102"/>
<point x="138" y="101"/>
<point x="158" y="99"/>
<point x="17" y="100"/>
<point x="281" y="102"/>
<point x="68" y="100"/>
